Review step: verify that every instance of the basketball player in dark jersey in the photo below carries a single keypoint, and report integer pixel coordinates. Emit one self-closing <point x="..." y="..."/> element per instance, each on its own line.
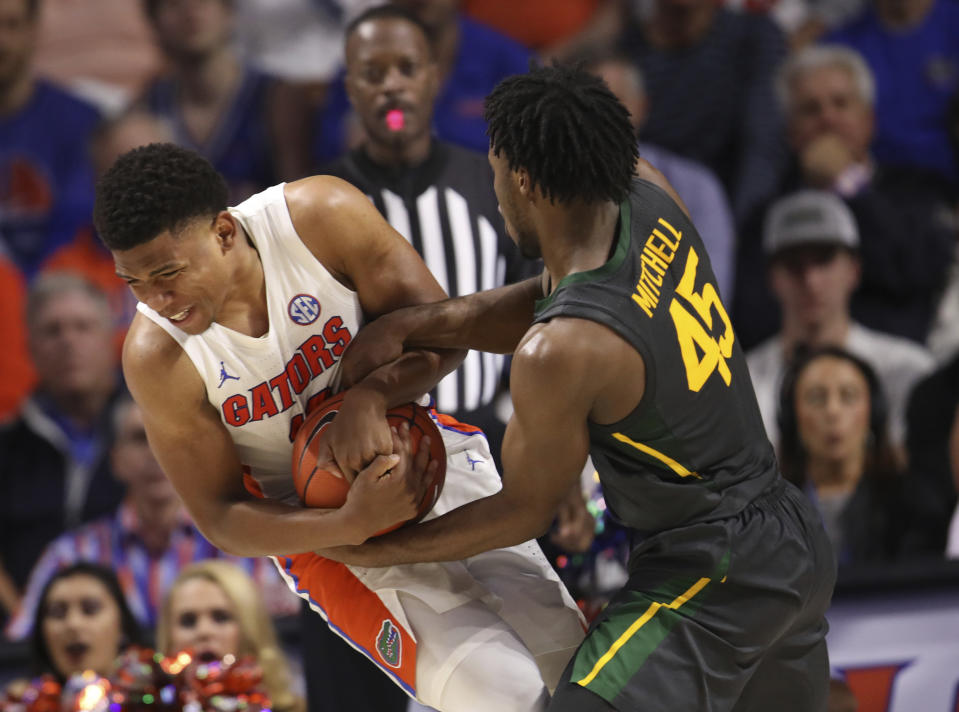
<point x="624" y="351"/>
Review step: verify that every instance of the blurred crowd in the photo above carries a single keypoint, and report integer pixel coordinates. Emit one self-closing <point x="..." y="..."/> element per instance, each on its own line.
<point x="815" y="143"/>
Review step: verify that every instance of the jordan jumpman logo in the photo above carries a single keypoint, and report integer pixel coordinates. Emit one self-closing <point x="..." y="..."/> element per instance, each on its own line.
<point x="224" y="375"/>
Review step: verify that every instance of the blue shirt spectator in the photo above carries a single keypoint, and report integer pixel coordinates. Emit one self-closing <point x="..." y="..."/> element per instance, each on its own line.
<point x="46" y="179"/>
<point x="916" y="67"/>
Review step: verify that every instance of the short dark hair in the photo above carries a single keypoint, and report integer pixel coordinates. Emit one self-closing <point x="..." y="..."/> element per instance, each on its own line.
<point x="388" y="12"/>
<point x="132" y="632"/>
<point x="152" y="189"/>
<point x="567" y="129"/>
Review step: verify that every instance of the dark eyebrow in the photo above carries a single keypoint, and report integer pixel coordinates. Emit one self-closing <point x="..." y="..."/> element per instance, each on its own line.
<point x="159" y="270"/>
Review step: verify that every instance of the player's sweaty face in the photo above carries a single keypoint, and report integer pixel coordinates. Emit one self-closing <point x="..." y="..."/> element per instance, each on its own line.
<point x="182" y="277"/>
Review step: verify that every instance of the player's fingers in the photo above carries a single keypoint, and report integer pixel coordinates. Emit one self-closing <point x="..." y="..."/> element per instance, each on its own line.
<point x="380" y="466"/>
<point x="423" y="466"/>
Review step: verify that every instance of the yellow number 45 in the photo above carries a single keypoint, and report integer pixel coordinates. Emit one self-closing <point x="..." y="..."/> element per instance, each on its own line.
<point x="693" y="337"/>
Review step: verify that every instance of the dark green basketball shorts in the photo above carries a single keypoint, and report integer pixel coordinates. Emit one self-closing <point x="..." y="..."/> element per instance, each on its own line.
<point x="718" y="616"/>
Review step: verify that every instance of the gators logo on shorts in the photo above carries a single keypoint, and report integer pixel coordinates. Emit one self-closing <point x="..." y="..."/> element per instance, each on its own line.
<point x="389" y="644"/>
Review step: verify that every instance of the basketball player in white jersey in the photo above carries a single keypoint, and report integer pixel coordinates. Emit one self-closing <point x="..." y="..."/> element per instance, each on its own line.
<point x="244" y="314"/>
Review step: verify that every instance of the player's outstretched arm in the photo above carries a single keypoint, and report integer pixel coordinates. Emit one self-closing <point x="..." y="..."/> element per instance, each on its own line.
<point x="192" y="446"/>
<point x="494" y="320"/>
<point x="555" y="384"/>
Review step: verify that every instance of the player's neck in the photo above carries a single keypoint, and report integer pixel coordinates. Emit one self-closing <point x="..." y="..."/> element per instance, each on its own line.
<point x="15" y="95"/>
<point x="579" y="237"/>
<point x="245" y="308"/>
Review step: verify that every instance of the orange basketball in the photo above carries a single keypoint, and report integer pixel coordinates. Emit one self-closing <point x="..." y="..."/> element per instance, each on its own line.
<point x="327" y="489"/>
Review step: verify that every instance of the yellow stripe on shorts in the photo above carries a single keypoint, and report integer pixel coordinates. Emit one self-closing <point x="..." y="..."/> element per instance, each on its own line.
<point x="639" y="623"/>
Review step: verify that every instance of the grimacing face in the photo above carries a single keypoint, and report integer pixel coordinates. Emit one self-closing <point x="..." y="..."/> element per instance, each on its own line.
<point x="202" y="619"/>
<point x="183" y="277"/>
<point x="390" y="67"/>
<point x="81" y="625"/>
<point x="832" y="410"/>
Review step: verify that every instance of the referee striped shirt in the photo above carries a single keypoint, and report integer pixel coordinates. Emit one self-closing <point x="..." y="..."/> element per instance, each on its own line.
<point x="448" y="211"/>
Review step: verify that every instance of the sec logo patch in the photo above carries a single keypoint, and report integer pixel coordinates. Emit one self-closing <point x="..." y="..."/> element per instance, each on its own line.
<point x="303" y="309"/>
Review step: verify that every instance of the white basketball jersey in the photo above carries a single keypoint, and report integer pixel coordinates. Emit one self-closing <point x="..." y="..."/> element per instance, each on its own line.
<point x="262" y="386"/>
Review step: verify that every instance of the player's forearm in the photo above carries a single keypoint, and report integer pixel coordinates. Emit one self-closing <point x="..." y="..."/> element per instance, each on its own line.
<point x="494" y="320"/>
<point x="489" y="523"/>
<point x="262" y="527"/>
<point x="411" y="375"/>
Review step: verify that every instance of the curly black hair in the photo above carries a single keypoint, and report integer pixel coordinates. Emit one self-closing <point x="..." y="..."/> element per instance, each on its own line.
<point x="567" y="130"/>
<point x="153" y="189"/>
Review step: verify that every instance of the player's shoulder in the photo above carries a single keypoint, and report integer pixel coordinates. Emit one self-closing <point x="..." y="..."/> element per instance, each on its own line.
<point x="151" y="355"/>
<point x="327" y="204"/>
<point x="563" y="345"/>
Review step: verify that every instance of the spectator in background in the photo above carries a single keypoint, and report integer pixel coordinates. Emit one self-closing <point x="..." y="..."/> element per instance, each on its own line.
<point x="46" y="181"/>
<point x="471" y="59"/>
<point x="101" y="49"/>
<point x="912" y="48"/>
<point x="217" y="105"/>
<point x="214" y="610"/>
<point x="698" y="186"/>
<point x="709" y="75"/>
<point x="81" y="623"/>
<point x="812" y="250"/>
<point x="54" y="466"/>
<point x="904" y="216"/>
<point x="146" y="542"/>
<point x="834" y="447"/>
<point x="930" y="421"/>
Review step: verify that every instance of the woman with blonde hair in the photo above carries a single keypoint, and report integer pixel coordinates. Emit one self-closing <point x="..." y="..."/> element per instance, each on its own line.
<point x="214" y="609"/>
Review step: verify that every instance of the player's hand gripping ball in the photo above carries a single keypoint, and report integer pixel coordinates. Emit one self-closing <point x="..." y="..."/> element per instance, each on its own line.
<point x="327" y="488"/>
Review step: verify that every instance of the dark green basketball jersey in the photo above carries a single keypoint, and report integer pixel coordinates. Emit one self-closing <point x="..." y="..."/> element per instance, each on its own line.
<point x="694" y="448"/>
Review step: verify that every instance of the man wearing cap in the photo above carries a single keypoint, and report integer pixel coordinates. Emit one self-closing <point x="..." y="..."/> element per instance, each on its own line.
<point x="811" y="245"/>
<point x="905" y="215"/>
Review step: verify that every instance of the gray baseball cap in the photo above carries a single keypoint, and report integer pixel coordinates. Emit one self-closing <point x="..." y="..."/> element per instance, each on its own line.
<point x="809" y="217"/>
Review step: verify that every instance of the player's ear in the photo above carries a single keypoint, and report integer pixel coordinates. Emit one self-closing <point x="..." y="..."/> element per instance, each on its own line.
<point x="523" y="182"/>
<point x="226" y="229"/>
